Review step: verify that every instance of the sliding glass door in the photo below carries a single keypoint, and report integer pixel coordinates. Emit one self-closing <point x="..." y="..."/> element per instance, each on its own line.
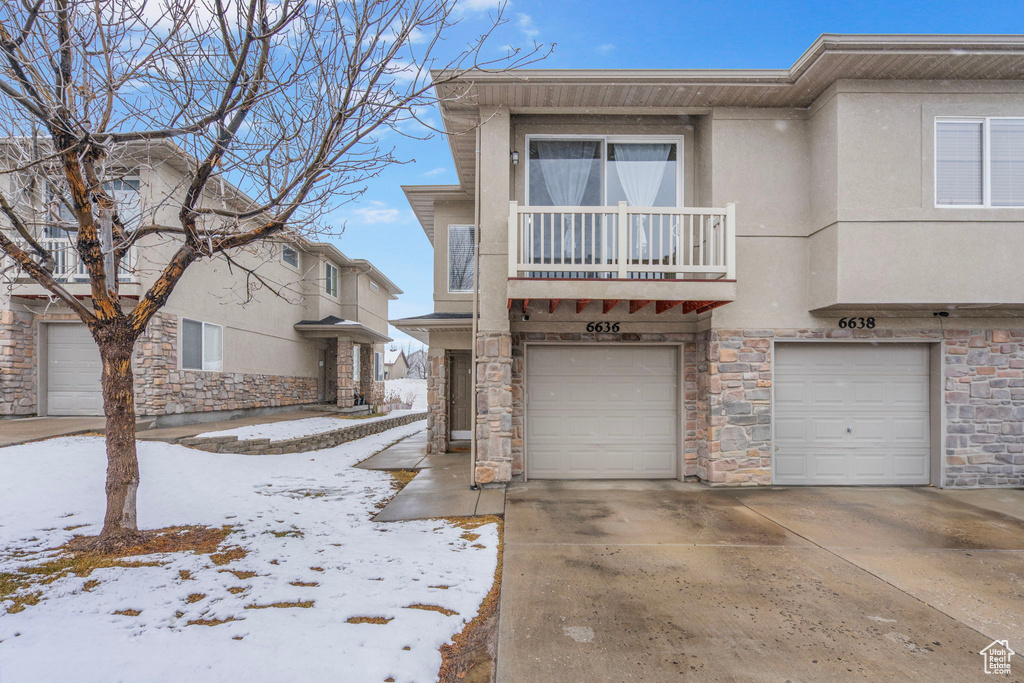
<point x="572" y="174"/>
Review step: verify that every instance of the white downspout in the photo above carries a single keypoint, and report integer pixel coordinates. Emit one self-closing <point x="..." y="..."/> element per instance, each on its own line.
<point x="476" y="306"/>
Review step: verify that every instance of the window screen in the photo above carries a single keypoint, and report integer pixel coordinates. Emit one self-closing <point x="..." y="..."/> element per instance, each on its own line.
<point x="958" y="163"/>
<point x="191" y="345"/>
<point x="202" y="346"/>
<point x="461" y="245"/>
<point x="290" y="256"/>
<point x="330" y="279"/>
<point x="1006" y="144"/>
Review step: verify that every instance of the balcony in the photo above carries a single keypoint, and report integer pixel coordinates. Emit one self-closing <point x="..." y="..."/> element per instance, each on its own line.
<point x="70" y="271"/>
<point x="677" y="255"/>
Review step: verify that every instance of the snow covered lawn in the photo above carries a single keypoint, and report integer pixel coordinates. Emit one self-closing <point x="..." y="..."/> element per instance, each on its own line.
<point x="307" y="426"/>
<point x="417" y="388"/>
<point x="303" y="521"/>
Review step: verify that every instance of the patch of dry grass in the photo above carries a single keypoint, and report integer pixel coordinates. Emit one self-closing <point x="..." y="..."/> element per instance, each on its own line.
<point x="75" y="558"/>
<point x="304" y="584"/>
<point x="211" y="622"/>
<point x="433" y="608"/>
<point x="128" y="612"/>
<point x="240" y="575"/>
<point x="229" y="555"/>
<point x="291" y="533"/>
<point x="235" y="590"/>
<point x="369" y="620"/>
<point x="195" y="597"/>
<point x="304" y="604"/>
<point x="470" y="655"/>
<point x="200" y="540"/>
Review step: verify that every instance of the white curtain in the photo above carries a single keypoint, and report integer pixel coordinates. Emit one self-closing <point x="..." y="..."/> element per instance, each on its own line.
<point x="566" y="166"/>
<point x="641" y="168"/>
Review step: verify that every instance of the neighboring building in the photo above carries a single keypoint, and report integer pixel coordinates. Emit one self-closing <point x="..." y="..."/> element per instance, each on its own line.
<point x="737" y="276"/>
<point x="395" y="364"/>
<point x="417" y="364"/>
<point x="208" y="349"/>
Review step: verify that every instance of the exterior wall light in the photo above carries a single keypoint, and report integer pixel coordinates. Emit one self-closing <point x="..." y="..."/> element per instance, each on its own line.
<point x="515" y="158"/>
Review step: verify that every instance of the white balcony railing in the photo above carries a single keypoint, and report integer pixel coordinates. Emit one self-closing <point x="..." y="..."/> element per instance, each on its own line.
<point x="621" y="241"/>
<point x="68" y="267"/>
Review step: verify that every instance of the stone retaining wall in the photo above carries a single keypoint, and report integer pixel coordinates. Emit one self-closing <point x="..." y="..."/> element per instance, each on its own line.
<point x="313" y="442"/>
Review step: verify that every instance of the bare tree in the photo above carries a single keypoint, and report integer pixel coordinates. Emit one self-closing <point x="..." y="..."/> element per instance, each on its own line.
<point x="276" y="107"/>
<point x="417" y="363"/>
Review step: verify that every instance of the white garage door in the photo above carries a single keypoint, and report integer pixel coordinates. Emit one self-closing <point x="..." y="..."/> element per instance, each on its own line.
<point x="73" y="371"/>
<point x="851" y="414"/>
<point x="601" y="412"/>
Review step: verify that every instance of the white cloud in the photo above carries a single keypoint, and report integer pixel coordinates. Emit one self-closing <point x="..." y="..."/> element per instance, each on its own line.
<point x="481" y="5"/>
<point x="524" y="22"/>
<point x="606" y="48"/>
<point x="379" y="212"/>
<point x="435" y="171"/>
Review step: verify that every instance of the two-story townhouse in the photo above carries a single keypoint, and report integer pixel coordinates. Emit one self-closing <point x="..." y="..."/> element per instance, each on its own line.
<point x="744" y="277"/>
<point x="309" y="327"/>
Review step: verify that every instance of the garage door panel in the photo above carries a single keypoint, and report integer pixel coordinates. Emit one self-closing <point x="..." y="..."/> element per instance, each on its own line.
<point x="909" y="465"/>
<point x="73" y="370"/>
<point x="879" y="391"/>
<point x="601" y="412"/>
<point x="831" y="393"/>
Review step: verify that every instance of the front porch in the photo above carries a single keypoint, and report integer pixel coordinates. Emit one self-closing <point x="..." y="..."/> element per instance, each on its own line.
<point x="358" y="376"/>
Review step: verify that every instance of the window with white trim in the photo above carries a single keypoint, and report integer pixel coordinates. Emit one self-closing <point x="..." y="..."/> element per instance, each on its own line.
<point x="357" y="355"/>
<point x="979" y="162"/>
<point x="202" y="346"/>
<point x="461" y="252"/>
<point x="290" y="256"/>
<point x="378" y="366"/>
<point x="330" y="279"/>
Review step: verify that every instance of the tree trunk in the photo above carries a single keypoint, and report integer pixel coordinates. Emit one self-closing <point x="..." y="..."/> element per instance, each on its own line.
<point x="120" y="524"/>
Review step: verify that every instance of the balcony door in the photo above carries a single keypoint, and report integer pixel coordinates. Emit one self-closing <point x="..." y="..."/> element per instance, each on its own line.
<point x="572" y="174"/>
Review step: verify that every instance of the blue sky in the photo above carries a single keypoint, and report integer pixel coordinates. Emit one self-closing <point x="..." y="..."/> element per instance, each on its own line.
<point x="638" y="34"/>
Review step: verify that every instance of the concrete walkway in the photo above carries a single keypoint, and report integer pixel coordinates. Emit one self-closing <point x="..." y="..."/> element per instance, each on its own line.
<point x="664" y="581"/>
<point x="441" y="489"/>
<point x="25" y="429"/>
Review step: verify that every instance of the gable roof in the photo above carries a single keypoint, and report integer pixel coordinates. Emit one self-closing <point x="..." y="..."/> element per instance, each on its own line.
<point x="391" y="356"/>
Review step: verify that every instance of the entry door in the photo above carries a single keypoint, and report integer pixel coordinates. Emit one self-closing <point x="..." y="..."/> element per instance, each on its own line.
<point x="602" y="412"/>
<point x="460" y="397"/>
<point x="851" y="414"/>
<point x="73" y="371"/>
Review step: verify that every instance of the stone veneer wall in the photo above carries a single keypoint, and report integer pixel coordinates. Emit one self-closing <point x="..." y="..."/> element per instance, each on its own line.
<point x="346" y="368"/>
<point x="17" y="363"/>
<point x="984" y="390"/>
<point x="493" y="428"/>
<point x="690" y="443"/>
<point x="437" y="402"/>
<point x="983" y="383"/>
<point x="162" y="389"/>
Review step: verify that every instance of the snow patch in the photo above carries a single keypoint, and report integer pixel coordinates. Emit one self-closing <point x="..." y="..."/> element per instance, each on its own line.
<point x="303" y="519"/>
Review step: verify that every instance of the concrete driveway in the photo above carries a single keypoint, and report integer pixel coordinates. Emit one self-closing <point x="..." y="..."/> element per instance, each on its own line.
<point x="649" y="581"/>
